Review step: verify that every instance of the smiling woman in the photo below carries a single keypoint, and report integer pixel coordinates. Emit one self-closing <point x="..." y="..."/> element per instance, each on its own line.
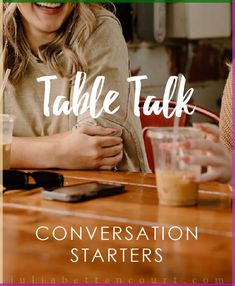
<point x="31" y="30"/>
<point x="61" y="39"/>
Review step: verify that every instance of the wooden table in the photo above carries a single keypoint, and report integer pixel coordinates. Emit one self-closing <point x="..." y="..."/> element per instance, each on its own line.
<point x="29" y="260"/>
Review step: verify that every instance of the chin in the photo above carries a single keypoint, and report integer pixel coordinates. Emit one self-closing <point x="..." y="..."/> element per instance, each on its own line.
<point x="50" y="28"/>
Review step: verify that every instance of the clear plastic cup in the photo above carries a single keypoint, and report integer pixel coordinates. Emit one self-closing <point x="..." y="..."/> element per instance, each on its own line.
<point x="172" y="184"/>
<point x="6" y="127"/>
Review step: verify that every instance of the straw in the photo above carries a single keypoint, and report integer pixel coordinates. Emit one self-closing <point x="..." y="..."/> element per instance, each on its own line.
<point x="176" y="125"/>
<point x="176" y="118"/>
<point x="4" y="82"/>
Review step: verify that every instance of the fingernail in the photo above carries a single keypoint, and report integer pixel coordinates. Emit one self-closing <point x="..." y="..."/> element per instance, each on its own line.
<point x="114" y="131"/>
<point x="186" y="159"/>
<point x="185" y="144"/>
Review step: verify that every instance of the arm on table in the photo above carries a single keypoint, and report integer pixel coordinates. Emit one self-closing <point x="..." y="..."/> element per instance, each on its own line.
<point x="84" y="148"/>
<point x="110" y="60"/>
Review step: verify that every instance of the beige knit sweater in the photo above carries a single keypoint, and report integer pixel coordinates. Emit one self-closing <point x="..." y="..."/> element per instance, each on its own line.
<point x="226" y="114"/>
<point x="106" y="54"/>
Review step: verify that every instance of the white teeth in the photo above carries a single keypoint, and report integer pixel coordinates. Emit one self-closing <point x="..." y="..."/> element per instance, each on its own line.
<point x="49" y="5"/>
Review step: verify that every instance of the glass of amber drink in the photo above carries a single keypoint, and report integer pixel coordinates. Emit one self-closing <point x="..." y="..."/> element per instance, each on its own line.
<point x="172" y="174"/>
<point x="6" y="128"/>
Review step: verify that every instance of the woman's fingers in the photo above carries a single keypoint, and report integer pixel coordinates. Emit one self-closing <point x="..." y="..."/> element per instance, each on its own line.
<point x="107" y="141"/>
<point x="111" y="157"/>
<point x="106" y="168"/>
<point x="97" y="130"/>
<point x="217" y="170"/>
<point x="112" y="161"/>
<point x="208" y="128"/>
<point x="214" y="175"/>
<point x="203" y="145"/>
<point x="202" y="160"/>
<point x="208" y="176"/>
<point x="102" y="137"/>
<point x="205" y="177"/>
<point x="208" y="152"/>
<point x="112" y="151"/>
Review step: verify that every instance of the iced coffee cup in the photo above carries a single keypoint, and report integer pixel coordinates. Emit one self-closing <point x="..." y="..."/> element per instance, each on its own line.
<point x="6" y="128"/>
<point x="173" y="185"/>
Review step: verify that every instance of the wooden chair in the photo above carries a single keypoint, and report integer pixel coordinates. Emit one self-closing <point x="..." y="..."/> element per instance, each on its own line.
<point x="151" y="121"/>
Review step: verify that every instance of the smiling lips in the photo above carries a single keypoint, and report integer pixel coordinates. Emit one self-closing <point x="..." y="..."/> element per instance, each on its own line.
<point x="49" y="8"/>
<point x="49" y="5"/>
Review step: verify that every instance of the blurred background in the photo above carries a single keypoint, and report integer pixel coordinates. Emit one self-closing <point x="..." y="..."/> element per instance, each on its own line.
<point x="189" y="38"/>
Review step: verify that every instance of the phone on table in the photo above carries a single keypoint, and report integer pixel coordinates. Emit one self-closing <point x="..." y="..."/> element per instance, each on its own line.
<point x="82" y="192"/>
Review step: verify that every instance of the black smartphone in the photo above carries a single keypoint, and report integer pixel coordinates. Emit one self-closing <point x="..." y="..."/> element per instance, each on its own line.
<point x="82" y="192"/>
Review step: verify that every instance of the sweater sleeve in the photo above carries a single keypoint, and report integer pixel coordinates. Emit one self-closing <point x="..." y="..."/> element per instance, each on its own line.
<point x="226" y="114"/>
<point x="107" y="56"/>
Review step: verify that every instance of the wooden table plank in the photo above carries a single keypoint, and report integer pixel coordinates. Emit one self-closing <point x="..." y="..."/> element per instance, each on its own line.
<point x="207" y="258"/>
<point x="210" y="214"/>
<point x="28" y="260"/>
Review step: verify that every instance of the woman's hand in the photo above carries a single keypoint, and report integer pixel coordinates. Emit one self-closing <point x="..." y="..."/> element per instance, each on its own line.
<point x="91" y="147"/>
<point x="214" y="156"/>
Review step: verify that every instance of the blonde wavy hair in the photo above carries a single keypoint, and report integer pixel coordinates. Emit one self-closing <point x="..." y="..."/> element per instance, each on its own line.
<point x="69" y="41"/>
